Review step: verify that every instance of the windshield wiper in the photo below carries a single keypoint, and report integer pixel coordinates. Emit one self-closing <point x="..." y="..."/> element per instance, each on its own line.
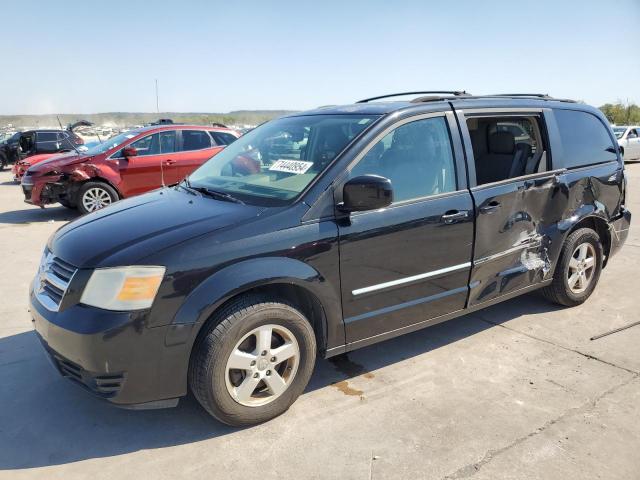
<point x="187" y="186"/>
<point x="217" y="194"/>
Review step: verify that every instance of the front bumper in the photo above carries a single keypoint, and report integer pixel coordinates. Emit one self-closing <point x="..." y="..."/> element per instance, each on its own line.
<point x="113" y="355"/>
<point x="42" y="191"/>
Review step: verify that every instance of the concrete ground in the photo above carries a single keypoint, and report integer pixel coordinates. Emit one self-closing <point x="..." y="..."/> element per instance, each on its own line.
<point x="513" y="392"/>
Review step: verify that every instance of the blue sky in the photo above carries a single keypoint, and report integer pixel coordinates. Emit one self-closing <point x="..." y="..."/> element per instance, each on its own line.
<point x="85" y="57"/>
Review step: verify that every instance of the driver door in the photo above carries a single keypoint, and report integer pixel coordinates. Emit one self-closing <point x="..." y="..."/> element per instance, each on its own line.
<point x="408" y="263"/>
<point x="633" y="144"/>
<point x="144" y="171"/>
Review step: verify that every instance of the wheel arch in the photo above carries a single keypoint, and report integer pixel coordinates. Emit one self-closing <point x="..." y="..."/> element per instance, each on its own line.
<point x="286" y="279"/>
<point x="78" y="185"/>
<point x="600" y="226"/>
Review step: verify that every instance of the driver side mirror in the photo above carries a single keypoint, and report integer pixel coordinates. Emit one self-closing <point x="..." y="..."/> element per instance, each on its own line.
<point x="367" y="192"/>
<point x="129" y="152"/>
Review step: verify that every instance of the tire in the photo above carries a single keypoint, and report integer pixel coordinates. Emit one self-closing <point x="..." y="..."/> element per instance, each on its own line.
<point x="560" y="290"/>
<point x="217" y="386"/>
<point x="102" y="193"/>
<point x="3" y="162"/>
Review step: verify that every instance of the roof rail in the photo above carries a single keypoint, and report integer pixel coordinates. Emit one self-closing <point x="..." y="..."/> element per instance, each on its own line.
<point x="540" y="96"/>
<point x="456" y="93"/>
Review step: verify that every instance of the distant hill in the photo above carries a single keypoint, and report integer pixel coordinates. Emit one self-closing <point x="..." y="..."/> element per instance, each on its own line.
<point x="122" y="119"/>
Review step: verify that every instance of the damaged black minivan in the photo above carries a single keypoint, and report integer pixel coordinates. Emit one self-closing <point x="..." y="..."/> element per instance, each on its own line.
<point x="325" y="231"/>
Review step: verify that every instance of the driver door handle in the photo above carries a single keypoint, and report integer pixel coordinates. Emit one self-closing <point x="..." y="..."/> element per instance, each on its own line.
<point x="169" y="162"/>
<point x="453" y="216"/>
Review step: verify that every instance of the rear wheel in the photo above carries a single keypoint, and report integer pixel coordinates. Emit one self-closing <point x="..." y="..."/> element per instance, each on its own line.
<point x="253" y="362"/>
<point x="93" y="196"/>
<point x="578" y="269"/>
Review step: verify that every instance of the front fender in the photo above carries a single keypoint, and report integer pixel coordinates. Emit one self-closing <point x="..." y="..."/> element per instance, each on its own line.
<point x="234" y="279"/>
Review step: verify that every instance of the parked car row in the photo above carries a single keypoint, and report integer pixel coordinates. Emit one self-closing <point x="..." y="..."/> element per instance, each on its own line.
<point x="22" y="145"/>
<point x="134" y="162"/>
<point x="312" y="235"/>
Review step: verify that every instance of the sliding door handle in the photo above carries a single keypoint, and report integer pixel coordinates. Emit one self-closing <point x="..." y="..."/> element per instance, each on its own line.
<point x="490" y="207"/>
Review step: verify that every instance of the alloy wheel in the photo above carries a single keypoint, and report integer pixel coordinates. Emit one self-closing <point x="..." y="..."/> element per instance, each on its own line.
<point x="262" y="365"/>
<point x="96" y="198"/>
<point x="581" y="268"/>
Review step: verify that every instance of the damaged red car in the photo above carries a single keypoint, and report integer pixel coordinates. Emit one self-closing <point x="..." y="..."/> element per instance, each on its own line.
<point x="128" y="164"/>
<point x="21" y="166"/>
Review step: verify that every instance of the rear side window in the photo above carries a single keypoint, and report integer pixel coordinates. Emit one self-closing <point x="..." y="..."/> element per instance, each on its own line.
<point x="222" y="138"/>
<point x="47" y="136"/>
<point x="585" y="140"/>
<point x="195" y="140"/>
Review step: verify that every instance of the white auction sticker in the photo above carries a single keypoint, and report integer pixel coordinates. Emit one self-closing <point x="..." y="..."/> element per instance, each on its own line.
<point x="290" y="166"/>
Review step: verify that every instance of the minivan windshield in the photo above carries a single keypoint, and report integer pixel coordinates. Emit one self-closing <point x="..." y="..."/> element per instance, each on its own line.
<point x="273" y="163"/>
<point x="619" y="131"/>
<point x="111" y="143"/>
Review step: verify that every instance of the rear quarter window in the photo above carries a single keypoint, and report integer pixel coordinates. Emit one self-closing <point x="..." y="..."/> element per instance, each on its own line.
<point x="223" y="138"/>
<point x="585" y="139"/>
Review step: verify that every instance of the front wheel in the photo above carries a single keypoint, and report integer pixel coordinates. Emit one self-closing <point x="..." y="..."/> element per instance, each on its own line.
<point x="93" y="196"/>
<point x="578" y="269"/>
<point x="253" y="362"/>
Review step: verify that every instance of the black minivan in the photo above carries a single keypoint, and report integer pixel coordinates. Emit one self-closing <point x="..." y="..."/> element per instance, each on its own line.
<point x="325" y="231"/>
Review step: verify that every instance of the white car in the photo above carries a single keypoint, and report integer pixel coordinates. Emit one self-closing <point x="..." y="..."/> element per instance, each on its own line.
<point x="629" y="140"/>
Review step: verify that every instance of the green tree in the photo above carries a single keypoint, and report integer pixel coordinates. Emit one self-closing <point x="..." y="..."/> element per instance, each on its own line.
<point x="621" y="113"/>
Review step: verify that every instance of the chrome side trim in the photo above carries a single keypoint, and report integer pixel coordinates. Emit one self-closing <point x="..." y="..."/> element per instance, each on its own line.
<point x="509" y="251"/>
<point x="414" y="278"/>
<point x="412" y="303"/>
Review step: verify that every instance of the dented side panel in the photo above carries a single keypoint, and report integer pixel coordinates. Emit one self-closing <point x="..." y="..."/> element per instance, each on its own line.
<point x="518" y="243"/>
<point x="516" y="226"/>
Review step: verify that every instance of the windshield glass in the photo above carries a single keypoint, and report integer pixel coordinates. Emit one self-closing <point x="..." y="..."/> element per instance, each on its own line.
<point x="110" y="143"/>
<point x="273" y="163"/>
<point x="619" y="131"/>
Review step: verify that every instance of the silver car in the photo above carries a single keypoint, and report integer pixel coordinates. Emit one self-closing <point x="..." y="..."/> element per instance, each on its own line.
<point x="629" y="140"/>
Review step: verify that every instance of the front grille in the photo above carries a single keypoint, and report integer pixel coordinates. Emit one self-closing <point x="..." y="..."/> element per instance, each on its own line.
<point x="54" y="276"/>
<point x="103" y="385"/>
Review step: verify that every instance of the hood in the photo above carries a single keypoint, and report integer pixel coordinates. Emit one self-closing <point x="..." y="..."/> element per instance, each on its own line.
<point x="33" y="159"/>
<point x="132" y="229"/>
<point x="81" y="123"/>
<point x="58" y="161"/>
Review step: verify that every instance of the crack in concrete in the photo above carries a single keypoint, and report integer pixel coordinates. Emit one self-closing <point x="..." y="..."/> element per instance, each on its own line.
<point x="471" y="469"/>
<point x="549" y="342"/>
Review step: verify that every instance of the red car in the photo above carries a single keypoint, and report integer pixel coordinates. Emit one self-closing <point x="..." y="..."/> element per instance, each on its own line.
<point x="128" y="164"/>
<point x="23" y="165"/>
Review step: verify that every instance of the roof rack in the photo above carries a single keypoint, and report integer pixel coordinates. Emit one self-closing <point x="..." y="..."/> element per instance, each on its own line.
<point x="539" y="96"/>
<point x="455" y="93"/>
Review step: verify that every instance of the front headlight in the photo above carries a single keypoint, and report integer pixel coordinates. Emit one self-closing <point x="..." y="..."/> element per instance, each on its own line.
<point x="123" y="288"/>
